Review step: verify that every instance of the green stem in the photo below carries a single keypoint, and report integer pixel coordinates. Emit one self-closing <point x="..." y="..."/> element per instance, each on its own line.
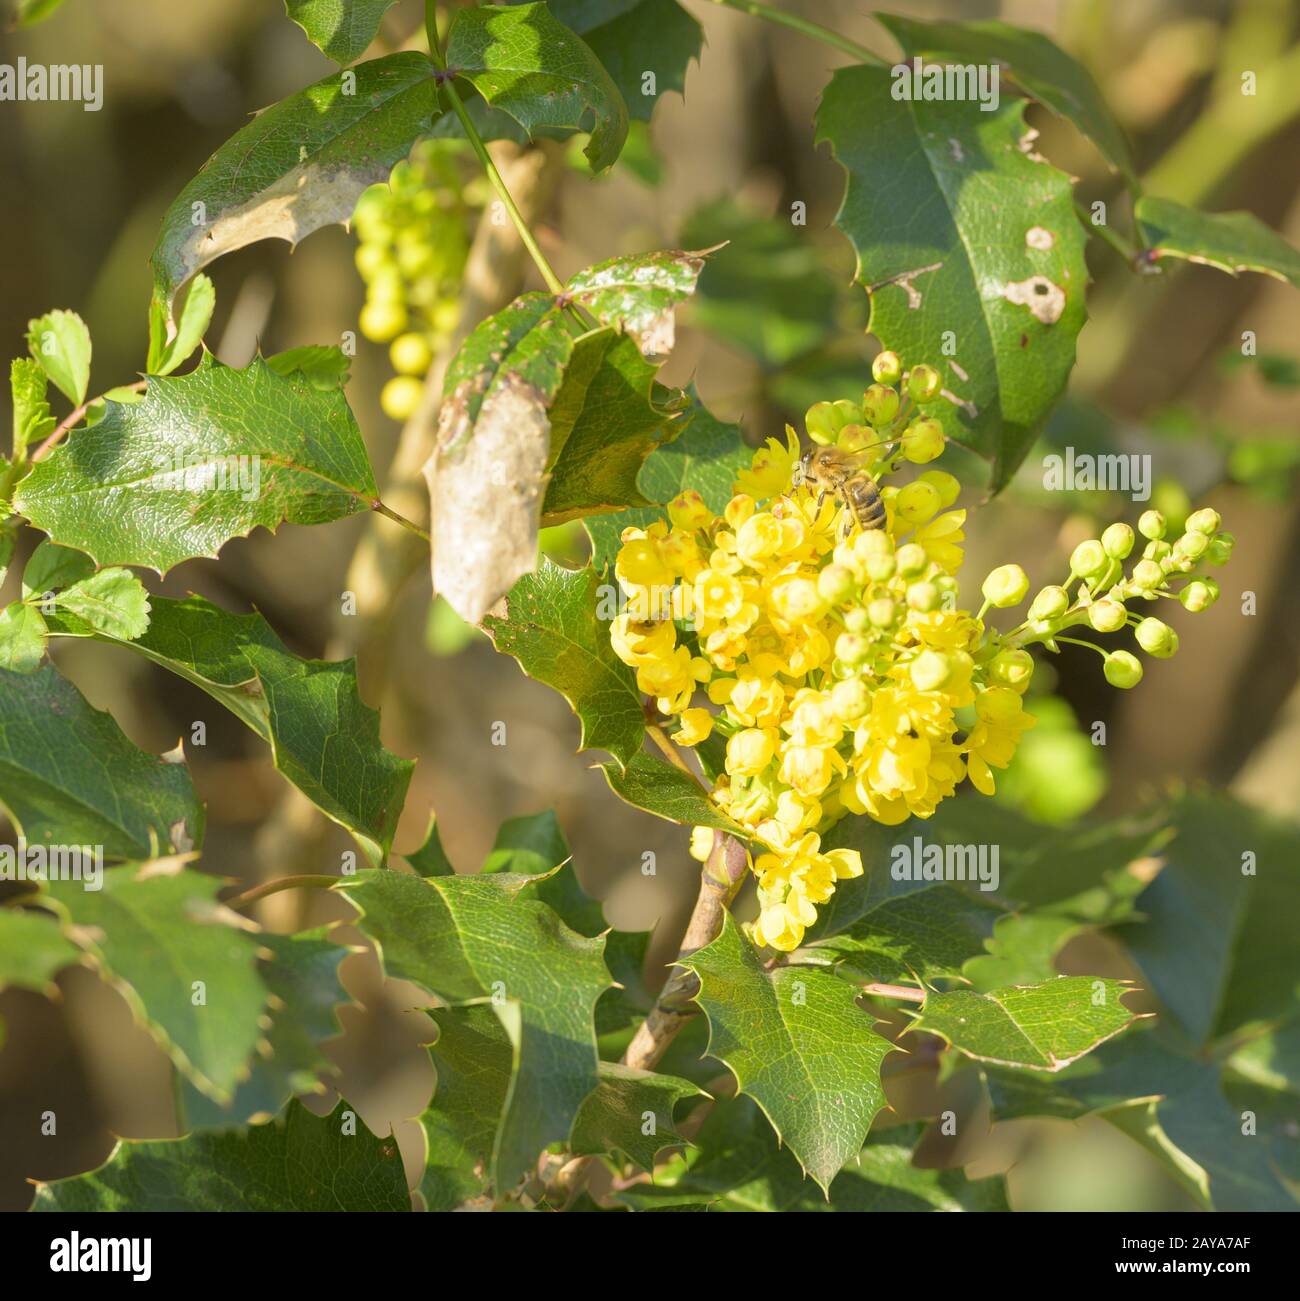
<point x="279" y="884"/>
<point x="1112" y="237"/>
<point x="806" y="26"/>
<point x="409" y="525"/>
<point x="553" y="282"/>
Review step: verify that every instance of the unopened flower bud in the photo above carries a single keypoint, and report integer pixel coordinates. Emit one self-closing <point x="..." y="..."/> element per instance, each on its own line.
<point x="1158" y="550"/>
<point x="923" y="597"/>
<point x="923" y="384"/>
<point x="880" y="567"/>
<point x="887" y="368"/>
<point x="1012" y="668"/>
<point x="922" y="441"/>
<point x="1147" y="575"/>
<point x="917" y="503"/>
<point x="1191" y="546"/>
<point x="688" y="511"/>
<point x="1050" y="603"/>
<point x="821" y="423"/>
<point x="1220" y="548"/>
<point x="879" y="405"/>
<point x="1205" y="521"/>
<point x="1152" y="524"/>
<point x="944" y="484"/>
<point x="835" y="583"/>
<point x="851" y="648"/>
<point x="929" y="670"/>
<point x="850" y="699"/>
<point x="1196" y="596"/>
<point x="1089" y="559"/>
<point x="882" y="612"/>
<point x="911" y="559"/>
<point x="1006" y="586"/>
<point x="855" y="620"/>
<point x="1107" y="615"/>
<point x="1117" y="541"/>
<point x="1123" y="669"/>
<point x="1156" y="638"/>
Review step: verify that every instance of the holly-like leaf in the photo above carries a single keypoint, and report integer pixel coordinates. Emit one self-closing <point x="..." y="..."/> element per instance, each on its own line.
<point x="301" y="974"/>
<point x="650" y="783"/>
<point x="1037" y="1027"/>
<point x="1231" y="241"/>
<point x="112" y="601"/>
<point x="301" y="1162"/>
<point x="798" y="1043"/>
<point x="341" y="29"/>
<point x="323" y="736"/>
<point x="166" y="354"/>
<point x="1217" y="944"/>
<point x="51" y="567"/>
<point x="297" y="166"/>
<point x="22" y="638"/>
<point x="323" y="366"/>
<point x="706" y="457"/>
<point x="1022" y="950"/>
<point x="469" y="938"/>
<point x="33" y="950"/>
<point x="637" y="294"/>
<point x="32" y="422"/>
<point x="526" y="63"/>
<point x="186" y="965"/>
<point x="486" y="476"/>
<point x="60" y="342"/>
<point x="204" y="458"/>
<point x="605" y="421"/>
<point x="68" y="775"/>
<point x="552" y="626"/>
<point x="615" y="1117"/>
<point x="1038" y="65"/>
<point x="962" y="235"/>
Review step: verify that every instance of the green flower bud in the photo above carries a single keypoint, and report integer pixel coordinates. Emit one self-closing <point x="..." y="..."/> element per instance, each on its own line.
<point x="1011" y="668"/>
<point x="887" y="368"/>
<point x="879" y="405"/>
<point x="1147" y="576"/>
<point x="1156" y="638"/>
<point x="1050" y="603"/>
<point x="923" y="597"/>
<point x="1006" y="586"/>
<point x="1117" y="541"/>
<point x="849" y="413"/>
<point x="850" y="699"/>
<point x="1152" y="524"/>
<point x="1157" y="550"/>
<point x="835" y="584"/>
<point x="1191" y="546"/>
<point x="923" y="384"/>
<point x="1107" y="615"/>
<point x="1205" y="521"/>
<point x="929" y="670"/>
<point x="916" y="503"/>
<point x="882" y="612"/>
<point x="880" y="567"/>
<point x="1220" y="548"/>
<point x="944" y="484"/>
<point x="851" y="648"/>
<point x="911" y="559"/>
<point x="923" y="441"/>
<point x="1089" y="559"/>
<point x="1196" y="596"/>
<point x="1122" y="669"/>
<point x="855" y="620"/>
<point x="822" y="423"/>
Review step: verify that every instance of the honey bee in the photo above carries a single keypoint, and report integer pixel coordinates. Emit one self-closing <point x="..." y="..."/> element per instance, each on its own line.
<point x="833" y="471"/>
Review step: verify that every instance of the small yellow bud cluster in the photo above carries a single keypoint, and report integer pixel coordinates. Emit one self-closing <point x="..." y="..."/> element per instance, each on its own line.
<point x="836" y="658"/>
<point x="414" y="239"/>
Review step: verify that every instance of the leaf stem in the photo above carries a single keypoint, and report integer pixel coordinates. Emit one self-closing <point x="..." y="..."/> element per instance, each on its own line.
<point x="409" y="525"/>
<point x="804" y="25"/>
<point x="671" y="753"/>
<point x="905" y="992"/>
<point x="305" y="882"/>
<point x="1127" y="251"/>
<point x="553" y="282"/>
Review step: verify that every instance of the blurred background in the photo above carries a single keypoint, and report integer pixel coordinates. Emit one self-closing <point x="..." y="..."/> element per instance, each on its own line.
<point x="776" y="326"/>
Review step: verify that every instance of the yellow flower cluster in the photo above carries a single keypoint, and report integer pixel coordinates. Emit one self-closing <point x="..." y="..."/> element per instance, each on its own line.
<point x="844" y="678"/>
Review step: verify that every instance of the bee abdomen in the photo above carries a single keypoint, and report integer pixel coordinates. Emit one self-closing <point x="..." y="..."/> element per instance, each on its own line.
<point x="868" y="509"/>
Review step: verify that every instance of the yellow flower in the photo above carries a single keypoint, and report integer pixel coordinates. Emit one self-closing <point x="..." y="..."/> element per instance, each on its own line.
<point x="688" y="511"/>
<point x="718" y="596"/>
<point x="759" y="538"/>
<point x="636" y="643"/>
<point x="940" y="538"/>
<point x="771" y="468"/>
<point x="701" y="843"/>
<point x="750" y="751"/>
<point x="696" y="725"/>
<point x="782" y="925"/>
<point x="795" y="598"/>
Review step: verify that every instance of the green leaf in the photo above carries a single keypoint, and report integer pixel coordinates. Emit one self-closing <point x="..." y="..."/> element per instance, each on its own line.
<point x="301" y="972"/>
<point x="958" y="229"/>
<point x="605" y="422"/>
<point x="1039" y="66"/>
<point x="706" y="457"/>
<point x="521" y="60"/>
<point x="204" y="458"/>
<point x="51" y="567"/>
<point x="22" y="638"/>
<point x="1231" y="241"/>
<point x="552" y="626"/>
<point x="637" y="294"/>
<point x="431" y="859"/>
<point x="533" y="845"/>
<point x="301" y="1162"/>
<point x="33" y="950"/>
<point x="797" y="1043"/>
<point x="646" y="36"/>
<point x="1039" y="1027"/>
<point x="626" y="1102"/>
<point x="469" y="938"/>
<point x="323" y="737"/>
<point x="1022" y="950"/>
<point x="32" y="422"/>
<point x="164" y="354"/>
<point x="297" y="166"/>
<point x="342" y="29"/>
<point x="60" y="342"/>
<point x="326" y="367"/>
<point x="1217" y="944"/>
<point x="486" y="478"/>
<point x="27" y="13"/>
<point x="68" y="775"/>
<point x="648" y="782"/>
<point x="113" y="601"/>
<point x="186" y="965"/>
